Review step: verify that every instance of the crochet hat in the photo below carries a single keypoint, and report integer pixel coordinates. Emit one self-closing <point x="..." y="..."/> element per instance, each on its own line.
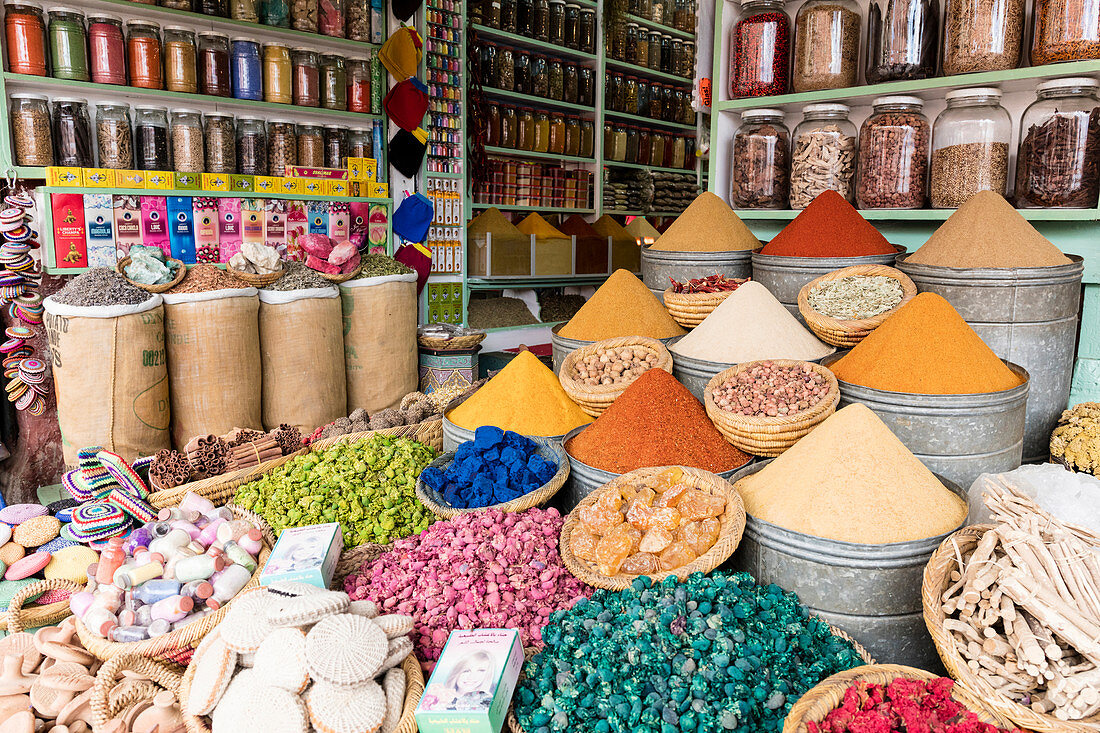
<point x="404" y="9"/>
<point x="407" y="150"/>
<point x="407" y="103"/>
<point x="401" y="53"/>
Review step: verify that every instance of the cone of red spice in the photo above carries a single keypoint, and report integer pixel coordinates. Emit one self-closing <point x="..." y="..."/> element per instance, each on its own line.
<point x="655" y="422"/>
<point x="828" y="227"/>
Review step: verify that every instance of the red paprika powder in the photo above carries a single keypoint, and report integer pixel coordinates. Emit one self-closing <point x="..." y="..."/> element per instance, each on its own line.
<point x="655" y="422"/>
<point x="828" y="227"/>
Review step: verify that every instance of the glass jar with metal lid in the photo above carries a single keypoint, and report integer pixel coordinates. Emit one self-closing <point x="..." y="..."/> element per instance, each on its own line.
<point x="186" y="137"/>
<point x="760" y="165"/>
<point x="334" y="82"/>
<point x="555" y="79"/>
<point x="903" y="39"/>
<point x="622" y="37"/>
<point x="106" y="49"/>
<point x="586" y="31"/>
<point x="32" y="141"/>
<point x="357" y="24"/>
<point x="557" y="22"/>
<point x="307" y="77"/>
<point x="336" y="146"/>
<point x="221" y="143"/>
<point x="657" y="11"/>
<point x="640" y="51"/>
<point x="311" y="146"/>
<point x="276" y="13"/>
<point x="982" y="35"/>
<point x="508" y="11"/>
<point x="1059" y="151"/>
<point x="586" y="92"/>
<point x="282" y="147"/>
<point x="522" y="72"/>
<point x="540" y="80"/>
<point x="653" y="52"/>
<point x="760" y="46"/>
<point x="360" y="143"/>
<point x="571" y="83"/>
<point x="151" y="138"/>
<point x="25" y="32"/>
<point x="68" y="44"/>
<point x="216" y="8"/>
<point x="331" y="16"/>
<point x="572" y="26"/>
<point x="540" y="20"/>
<point x="505" y="70"/>
<point x="244" y="10"/>
<point x="72" y="133"/>
<point x="114" y="138"/>
<point x="277" y="74"/>
<point x="970" y="141"/>
<point x="1064" y="30"/>
<point x="215" y="77"/>
<point x="893" y="155"/>
<point x="180" y="60"/>
<point x="823" y="154"/>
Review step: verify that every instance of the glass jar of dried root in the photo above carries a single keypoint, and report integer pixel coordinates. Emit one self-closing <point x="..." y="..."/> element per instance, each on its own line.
<point x="824" y="154"/>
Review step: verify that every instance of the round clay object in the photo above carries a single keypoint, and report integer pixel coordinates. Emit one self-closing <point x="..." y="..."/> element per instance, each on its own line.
<point x="12" y="704"/>
<point x="36" y="531"/>
<point x="10" y="552"/>
<point x="78" y="709"/>
<point x="164" y="715"/>
<point x="21" y="645"/>
<point x="21" y="722"/>
<point x="48" y="701"/>
<point x="67" y="652"/>
<point x="27" y="566"/>
<point x="68" y="677"/>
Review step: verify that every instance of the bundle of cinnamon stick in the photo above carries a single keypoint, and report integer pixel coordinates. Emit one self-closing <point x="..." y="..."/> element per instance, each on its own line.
<point x="207" y="455"/>
<point x="254" y="452"/>
<point x="288" y="437"/>
<point x="1024" y="607"/>
<point x="169" y="469"/>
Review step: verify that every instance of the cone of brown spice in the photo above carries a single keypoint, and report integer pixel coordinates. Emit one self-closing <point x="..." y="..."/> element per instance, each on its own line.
<point x="707" y="225"/>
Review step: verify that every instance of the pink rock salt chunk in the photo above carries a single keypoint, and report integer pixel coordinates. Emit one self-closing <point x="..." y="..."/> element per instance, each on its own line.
<point x="315" y="263"/>
<point x="342" y="252"/>
<point x="316" y="244"/>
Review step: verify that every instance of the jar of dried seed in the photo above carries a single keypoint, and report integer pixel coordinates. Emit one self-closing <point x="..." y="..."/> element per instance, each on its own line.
<point x="1059" y="153"/>
<point x="893" y="155"/>
<point x="221" y="143"/>
<point x="1065" y="30"/>
<point x="824" y="154"/>
<point x="982" y="35"/>
<point x="761" y="161"/>
<point x="187" y="145"/>
<point x="251" y="146"/>
<point x="336" y="146"/>
<point x="113" y="136"/>
<point x="826" y="45"/>
<point x="72" y="132"/>
<point x="970" y="140"/>
<point x="30" y="126"/>
<point x="303" y="15"/>
<point x="282" y="147"/>
<point x="311" y="146"/>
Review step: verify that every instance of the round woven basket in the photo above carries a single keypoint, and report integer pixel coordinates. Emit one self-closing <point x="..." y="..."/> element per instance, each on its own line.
<point x="351" y="561"/>
<point x="689" y="309"/>
<point x="769" y="436"/>
<point x="161" y="676"/>
<point x="177" y="646"/>
<point x="828" y="694"/>
<point x="256" y="281"/>
<point x="20" y="618"/>
<point x="414" y="689"/>
<point x="732" y="522"/>
<point x="549" y="449"/>
<point x="340" y="278"/>
<point x="163" y="287"/>
<point x="429" y="432"/>
<point x="594" y="400"/>
<point x="468" y="341"/>
<point x="847" y="334"/>
<point x="937" y="580"/>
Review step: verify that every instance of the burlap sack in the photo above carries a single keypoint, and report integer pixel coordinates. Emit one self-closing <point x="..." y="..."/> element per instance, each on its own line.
<point x="213" y="361"/>
<point x="380" y="352"/>
<point x="302" y="352"/>
<point x="110" y="375"/>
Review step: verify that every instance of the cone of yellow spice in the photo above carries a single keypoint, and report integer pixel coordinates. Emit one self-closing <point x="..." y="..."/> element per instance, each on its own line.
<point x="525" y="397"/>
<point x="622" y="306"/>
<point x="925" y="348"/>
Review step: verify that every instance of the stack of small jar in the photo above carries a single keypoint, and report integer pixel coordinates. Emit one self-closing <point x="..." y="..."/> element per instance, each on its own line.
<point x="638" y="96"/>
<point x="184" y="140"/>
<point x="635" y="44"/>
<point x="539" y="131"/>
<point x="552" y="21"/>
<point x="640" y="145"/>
<point x="887" y="166"/>
<point x="96" y="48"/>
<point x="537" y="75"/>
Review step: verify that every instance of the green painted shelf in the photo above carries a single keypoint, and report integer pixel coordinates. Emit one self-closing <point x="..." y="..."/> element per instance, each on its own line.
<point x="540" y="209"/>
<point x="646" y="72"/>
<point x="637" y="166"/>
<point x="903" y="215"/>
<point x="447" y="174"/>
<point x="536" y="101"/>
<point x="525" y="42"/>
<point x="648" y="122"/>
<point x="135" y="95"/>
<point x="499" y="283"/>
<point x="510" y="153"/>
<point x="667" y="29"/>
<point x="1011" y="80"/>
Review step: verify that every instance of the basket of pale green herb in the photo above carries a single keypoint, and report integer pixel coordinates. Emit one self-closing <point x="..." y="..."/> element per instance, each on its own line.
<point x="844" y="306"/>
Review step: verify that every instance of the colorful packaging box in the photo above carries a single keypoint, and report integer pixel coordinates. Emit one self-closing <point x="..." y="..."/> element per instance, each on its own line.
<point x="339" y="220"/>
<point x="154" y="223"/>
<point x="359" y="222"/>
<point x="99" y="219"/>
<point x="229" y="227"/>
<point x="291" y="185"/>
<point x="127" y="210"/>
<point x="252" y="220"/>
<point x="318" y="217"/>
<point x="472" y="683"/>
<point x="99" y="178"/>
<point x="162" y="180"/>
<point x="130" y="179"/>
<point x="275" y="211"/>
<point x="64" y="176"/>
<point x="242" y="184"/>
<point x="187" y="181"/>
<point x="69" y="245"/>
<point x="313" y="186"/>
<point x="205" y="210"/>
<point x="297" y="224"/>
<point x="215" y="181"/>
<point x="267" y="184"/>
<point x="181" y="228"/>
<point x="305" y="555"/>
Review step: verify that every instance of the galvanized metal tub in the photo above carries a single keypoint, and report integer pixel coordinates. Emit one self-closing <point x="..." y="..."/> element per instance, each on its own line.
<point x="561" y="347"/>
<point x="658" y="294"/>
<point x="785" y="276"/>
<point x="584" y="479"/>
<point x="1027" y="315"/>
<point x="660" y="265"/>
<point x="959" y="436"/>
<point x="871" y="591"/>
<point x="454" y="436"/>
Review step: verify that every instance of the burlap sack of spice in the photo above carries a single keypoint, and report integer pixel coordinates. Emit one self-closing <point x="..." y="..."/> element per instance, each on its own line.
<point x="213" y="361"/>
<point x="110" y="375"/>
<point x="302" y="356"/>
<point x="380" y="353"/>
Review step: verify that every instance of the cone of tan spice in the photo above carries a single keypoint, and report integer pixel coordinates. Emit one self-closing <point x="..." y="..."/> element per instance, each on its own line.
<point x="642" y="230"/>
<point x="623" y="306"/>
<point x="708" y="225"/>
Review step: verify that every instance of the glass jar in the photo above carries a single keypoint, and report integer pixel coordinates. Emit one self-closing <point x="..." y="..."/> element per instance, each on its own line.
<point x="638" y="53"/>
<point x="679" y="153"/>
<point x="572" y="26"/>
<point x="251" y="146"/>
<point x="657" y="148"/>
<point x="282" y="147"/>
<point x="278" y="74"/>
<point x="645" y="145"/>
<point x="641" y="9"/>
<point x="760" y="50"/>
<point x="557" y="22"/>
<point x="25" y="33"/>
<point x="666" y="54"/>
<point x="505" y="76"/>
<point x="653" y="54"/>
<point x="303" y="15"/>
<point x="631" y="154"/>
<point x="555" y="78"/>
<point x="180" y="70"/>
<point x="902" y="39"/>
<point x="221" y="143"/>
<point x="571" y="84"/>
<point x="615" y="145"/>
<point x="522" y="72"/>
<point x="893" y="155"/>
<point x="358" y="72"/>
<point x="586" y="31"/>
<point x="823" y="154"/>
<point x="32" y="141"/>
<point x="540" y="79"/>
<point x="492" y="124"/>
<point x="143" y="53"/>
<point x="68" y="44"/>
<point x="525" y="10"/>
<point x="175" y="5"/>
<point x="216" y="8"/>
<point x="508" y="16"/>
<point x="360" y="144"/>
<point x="687" y="112"/>
<point x="542" y="132"/>
<point x="588" y="138"/>
<point x="311" y="146"/>
<point x="336" y="146"/>
<point x="357" y="25"/>
<point x="655" y="109"/>
<point x="525" y="137"/>
<point x="215" y="78"/>
<point x="573" y="135"/>
<point x="970" y="140"/>
<point x="540" y="20"/>
<point x="826" y="45"/>
<point x="307" y="80"/>
<point x="761" y="165"/>
<point x="982" y="35"/>
<point x="276" y="13"/>
<point x="186" y="138"/>
<point x="490" y="12"/>
<point x="677" y="65"/>
<point x="586" y="91"/>
<point x="247" y="69"/>
<point x="334" y="82"/>
<point x="1065" y="30"/>
<point x="244" y="10"/>
<point x="657" y="11"/>
<point x="557" y="133"/>
<point x="630" y="94"/>
<point x="509" y="127"/>
<point x="613" y="94"/>
<point x="113" y="136"/>
<point x="1059" y="151"/>
<point x="330" y="18"/>
<point x="151" y="138"/>
<point x="106" y="49"/>
<point x="689" y="59"/>
<point x="72" y="133"/>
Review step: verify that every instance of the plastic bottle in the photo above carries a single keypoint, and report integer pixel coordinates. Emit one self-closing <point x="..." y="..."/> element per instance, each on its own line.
<point x="238" y="556"/>
<point x="126" y="578"/>
<point x="100" y="621"/>
<point x="193" y="502"/>
<point x="123" y="634"/>
<point x="159" y="627"/>
<point x="229" y="584"/>
<point x="200" y="589"/>
<point x="199" y="567"/>
<point x="173" y="608"/>
<point x="156" y="590"/>
<point x="252" y="542"/>
<point x="110" y="560"/>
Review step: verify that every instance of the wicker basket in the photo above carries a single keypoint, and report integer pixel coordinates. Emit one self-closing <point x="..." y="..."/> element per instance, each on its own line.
<point x="453" y="344"/>
<point x="551" y="450"/>
<point x="352" y="560"/>
<point x="729" y="536"/>
<point x="256" y="281"/>
<point x="429" y="432"/>
<point x="829" y="694"/>
<point x="337" y="279"/>
<point x="162" y="676"/>
<point x="177" y="646"/>
<point x="937" y="579"/>
<point x="218" y="489"/>
<point x="769" y="436"/>
<point x="594" y="400"/>
<point x="847" y="334"/>
<point x="163" y="287"/>
<point x="414" y="689"/>
<point x="20" y="618"/>
<point x="689" y="309"/>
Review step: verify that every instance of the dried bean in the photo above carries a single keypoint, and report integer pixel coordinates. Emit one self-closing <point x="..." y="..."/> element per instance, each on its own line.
<point x="761" y="164"/>
<point x="614" y="366"/>
<point x="282" y="146"/>
<point x="358" y="20"/>
<point x="303" y="15"/>
<point x="893" y="161"/>
<point x="221" y="145"/>
<point x="187" y="148"/>
<point x="769" y="390"/>
<point x="960" y="171"/>
<point x="1065" y="30"/>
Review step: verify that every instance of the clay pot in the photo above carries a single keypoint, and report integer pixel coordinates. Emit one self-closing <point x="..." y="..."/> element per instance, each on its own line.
<point x="163" y="715"/>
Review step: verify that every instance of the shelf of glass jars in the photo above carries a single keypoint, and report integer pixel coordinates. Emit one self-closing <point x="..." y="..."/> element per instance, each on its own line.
<point x="227" y="26"/>
<point x="536" y="101"/>
<point x="925" y="214"/>
<point x="639" y="166"/>
<point x="1010" y="80"/>
<point x="136" y="95"/>
<point x="513" y="153"/>
<point x="540" y="209"/>
<point x="647" y="23"/>
<point x="531" y="43"/>
<point x="647" y="121"/>
<point x="646" y="71"/>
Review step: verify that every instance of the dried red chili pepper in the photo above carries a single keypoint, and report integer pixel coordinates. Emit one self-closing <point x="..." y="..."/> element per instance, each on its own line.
<point x="711" y="284"/>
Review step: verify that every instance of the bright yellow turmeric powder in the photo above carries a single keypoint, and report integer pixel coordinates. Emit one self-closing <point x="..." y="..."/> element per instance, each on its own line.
<point x="524" y="397"/>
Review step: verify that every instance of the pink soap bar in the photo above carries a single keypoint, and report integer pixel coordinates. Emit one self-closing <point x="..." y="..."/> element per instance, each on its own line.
<point x="27" y="566"/>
